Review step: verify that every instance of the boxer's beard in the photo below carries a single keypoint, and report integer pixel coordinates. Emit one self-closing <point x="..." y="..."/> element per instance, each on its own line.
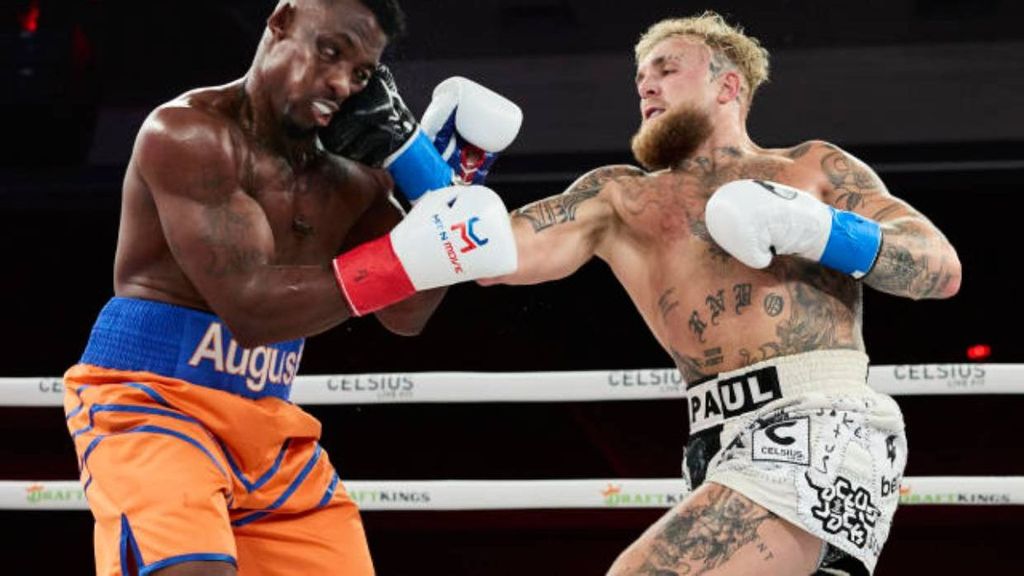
<point x="669" y="139"/>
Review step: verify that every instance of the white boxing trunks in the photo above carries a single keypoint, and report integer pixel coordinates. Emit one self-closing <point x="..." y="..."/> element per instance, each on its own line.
<point x="805" y="437"/>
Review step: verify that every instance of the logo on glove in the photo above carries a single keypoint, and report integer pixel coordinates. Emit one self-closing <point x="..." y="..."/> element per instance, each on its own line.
<point x="468" y="234"/>
<point x="471" y="161"/>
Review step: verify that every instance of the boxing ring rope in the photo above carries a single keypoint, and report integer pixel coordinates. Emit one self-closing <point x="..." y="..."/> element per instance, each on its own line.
<point x="569" y="386"/>
<point x="578" y="386"/>
<point x="425" y="495"/>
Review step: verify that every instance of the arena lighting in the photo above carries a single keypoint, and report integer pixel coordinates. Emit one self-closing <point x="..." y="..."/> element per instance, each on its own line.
<point x="979" y="352"/>
<point x="29" y="19"/>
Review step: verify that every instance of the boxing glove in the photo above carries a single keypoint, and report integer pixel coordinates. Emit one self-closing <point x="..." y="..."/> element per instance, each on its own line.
<point x="754" y="220"/>
<point x="451" y="235"/>
<point x="375" y="127"/>
<point x="469" y="125"/>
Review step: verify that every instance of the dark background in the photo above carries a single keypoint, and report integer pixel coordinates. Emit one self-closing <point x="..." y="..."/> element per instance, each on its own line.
<point x="928" y="92"/>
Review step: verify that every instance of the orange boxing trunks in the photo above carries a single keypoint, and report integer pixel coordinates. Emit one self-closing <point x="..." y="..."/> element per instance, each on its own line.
<point x="189" y="450"/>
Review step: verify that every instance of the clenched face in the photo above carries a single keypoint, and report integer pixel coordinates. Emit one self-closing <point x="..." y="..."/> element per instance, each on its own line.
<point x="324" y="52"/>
<point x="677" y="91"/>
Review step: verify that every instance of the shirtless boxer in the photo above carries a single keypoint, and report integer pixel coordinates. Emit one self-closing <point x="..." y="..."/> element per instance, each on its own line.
<point x="748" y="264"/>
<point x="233" y="216"/>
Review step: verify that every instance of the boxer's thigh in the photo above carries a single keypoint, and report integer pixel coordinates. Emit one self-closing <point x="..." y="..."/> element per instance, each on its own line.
<point x="159" y="497"/>
<point x="718" y="531"/>
<point x="324" y="541"/>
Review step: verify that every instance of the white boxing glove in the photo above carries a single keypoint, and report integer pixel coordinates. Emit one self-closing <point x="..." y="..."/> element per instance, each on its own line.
<point x="754" y="220"/>
<point x="463" y="128"/>
<point x="469" y="124"/>
<point x="451" y="235"/>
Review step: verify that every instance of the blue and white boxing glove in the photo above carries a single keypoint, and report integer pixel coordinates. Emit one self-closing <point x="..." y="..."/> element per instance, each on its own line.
<point x="465" y="125"/>
<point x="469" y="125"/>
<point x="375" y="127"/>
<point x="754" y="220"/>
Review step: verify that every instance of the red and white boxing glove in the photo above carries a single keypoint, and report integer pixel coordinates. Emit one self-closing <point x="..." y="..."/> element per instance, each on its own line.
<point x="451" y="235"/>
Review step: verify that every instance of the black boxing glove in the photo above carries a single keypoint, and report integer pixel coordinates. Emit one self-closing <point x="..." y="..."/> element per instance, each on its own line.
<point x="371" y="124"/>
<point x="376" y="128"/>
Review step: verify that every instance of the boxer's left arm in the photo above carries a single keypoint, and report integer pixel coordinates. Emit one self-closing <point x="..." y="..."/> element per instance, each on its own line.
<point x="557" y="235"/>
<point x="851" y="224"/>
<point x="915" y="259"/>
<point x="409" y="316"/>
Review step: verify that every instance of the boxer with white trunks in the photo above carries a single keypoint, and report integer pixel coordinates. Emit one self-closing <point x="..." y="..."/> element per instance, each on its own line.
<point x="748" y="266"/>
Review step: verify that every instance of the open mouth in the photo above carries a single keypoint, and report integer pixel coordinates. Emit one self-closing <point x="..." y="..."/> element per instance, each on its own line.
<point x="323" y="110"/>
<point x="653" y="112"/>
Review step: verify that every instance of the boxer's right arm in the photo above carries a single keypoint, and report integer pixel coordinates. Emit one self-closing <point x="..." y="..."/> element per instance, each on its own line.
<point x="220" y="236"/>
<point x="557" y="235"/>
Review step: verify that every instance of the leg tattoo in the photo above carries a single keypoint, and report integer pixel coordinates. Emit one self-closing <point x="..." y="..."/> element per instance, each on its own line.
<point x="699" y="540"/>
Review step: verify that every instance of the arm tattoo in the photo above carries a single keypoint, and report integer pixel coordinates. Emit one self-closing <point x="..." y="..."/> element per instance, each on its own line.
<point x="850" y="180"/>
<point x="884" y="213"/>
<point x="800" y="150"/>
<point x="911" y="261"/>
<point x="896" y="268"/>
<point x="898" y="271"/>
<point x="597" y="178"/>
<point x="560" y="209"/>
<point x="556" y="210"/>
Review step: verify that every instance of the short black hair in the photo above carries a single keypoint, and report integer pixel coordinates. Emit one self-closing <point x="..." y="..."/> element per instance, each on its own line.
<point x="389" y="16"/>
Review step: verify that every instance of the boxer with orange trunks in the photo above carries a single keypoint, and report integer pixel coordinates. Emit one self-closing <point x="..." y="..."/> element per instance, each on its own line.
<point x="248" y="473"/>
<point x="236" y="203"/>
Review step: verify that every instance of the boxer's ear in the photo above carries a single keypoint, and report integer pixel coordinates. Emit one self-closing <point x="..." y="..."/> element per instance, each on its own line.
<point x="280" y="22"/>
<point x="731" y="87"/>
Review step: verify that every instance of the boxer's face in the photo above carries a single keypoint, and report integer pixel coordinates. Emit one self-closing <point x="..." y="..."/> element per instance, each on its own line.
<point x="327" y="52"/>
<point x="676" y="96"/>
<point x="675" y="73"/>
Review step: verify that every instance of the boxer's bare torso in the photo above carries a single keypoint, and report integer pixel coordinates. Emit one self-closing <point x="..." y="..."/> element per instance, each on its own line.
<point x="708" y="310"/>
<point x="242" y="220"/>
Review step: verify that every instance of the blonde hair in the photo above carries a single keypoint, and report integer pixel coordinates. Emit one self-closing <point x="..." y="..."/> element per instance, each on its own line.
<point x="744" y="52"/>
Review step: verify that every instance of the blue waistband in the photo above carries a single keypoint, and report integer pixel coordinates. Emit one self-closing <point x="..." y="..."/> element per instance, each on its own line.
<point x="143" y="335"/>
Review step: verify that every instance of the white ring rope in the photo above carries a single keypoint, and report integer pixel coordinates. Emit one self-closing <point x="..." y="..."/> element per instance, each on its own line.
<point x="595" y="385"/>
<point x="542" y="494"/>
